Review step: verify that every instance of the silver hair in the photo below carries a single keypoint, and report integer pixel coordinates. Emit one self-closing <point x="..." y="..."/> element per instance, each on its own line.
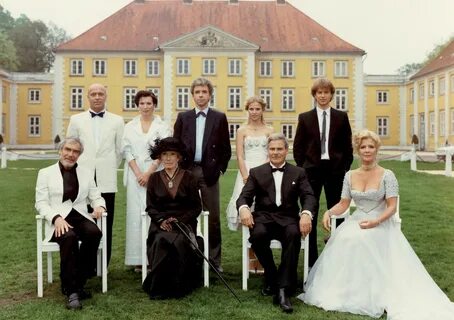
<point x="278" y="136"/>
<point x="71" y="140"/>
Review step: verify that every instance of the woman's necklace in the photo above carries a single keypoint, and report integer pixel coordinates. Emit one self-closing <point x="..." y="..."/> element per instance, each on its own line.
<point x="368" y="167"/>
<point x="171" y="178"/>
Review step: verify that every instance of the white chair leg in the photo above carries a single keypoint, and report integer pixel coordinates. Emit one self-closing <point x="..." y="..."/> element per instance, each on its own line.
<point x="49" y="268"/>
<point x="104" y="253"/>
<point x="206" y="267"/>
<point x="40" y="271"/>
<point x="144" y="234"/>
<point x="245" y="258"/>
<point x="306" y="260"/>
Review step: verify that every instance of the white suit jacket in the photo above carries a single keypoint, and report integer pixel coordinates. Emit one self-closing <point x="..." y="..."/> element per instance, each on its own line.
<point x="49" y="195"/>
<point x="104" y="158"/>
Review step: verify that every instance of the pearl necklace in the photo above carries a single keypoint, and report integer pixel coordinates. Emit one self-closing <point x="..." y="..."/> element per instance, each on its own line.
<point x="369" y="167"/>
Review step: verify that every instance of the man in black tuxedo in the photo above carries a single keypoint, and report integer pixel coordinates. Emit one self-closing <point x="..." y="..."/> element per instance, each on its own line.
<point x="275" y="187"/>
<point x="323" y="146"/>
<point x="205" y="134"/>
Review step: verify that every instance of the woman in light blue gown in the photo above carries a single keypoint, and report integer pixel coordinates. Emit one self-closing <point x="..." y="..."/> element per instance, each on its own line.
<point x="368" y="267"/>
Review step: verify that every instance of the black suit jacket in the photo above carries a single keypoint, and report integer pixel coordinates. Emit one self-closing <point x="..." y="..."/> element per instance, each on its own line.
<point x="216" y="150"/>
<point x="307" y="145"/>
<point x="260" y="185"/>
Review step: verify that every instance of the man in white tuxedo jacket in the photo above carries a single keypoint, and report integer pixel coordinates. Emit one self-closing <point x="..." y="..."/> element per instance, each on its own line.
<point x="101" y="133"/>
<point x="62" y="193"/>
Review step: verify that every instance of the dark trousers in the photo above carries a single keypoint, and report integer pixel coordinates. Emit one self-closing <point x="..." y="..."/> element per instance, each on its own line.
<point x="110" y="208"/>
<point x="323" y="177"/>
<point x="109" y="198"/>
<point x="77" y="263"/>
<point x="210" y="202"/>
<point x="290" y="237"/>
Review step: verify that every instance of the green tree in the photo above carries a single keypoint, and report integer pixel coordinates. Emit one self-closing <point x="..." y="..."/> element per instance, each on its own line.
<point x="55" y="36"/>
<point x="8" y="57"/>
<point x="6" y="20"/>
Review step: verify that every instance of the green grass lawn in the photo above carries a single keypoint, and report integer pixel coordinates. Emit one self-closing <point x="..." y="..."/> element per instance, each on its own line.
<point x="426" y="208"/>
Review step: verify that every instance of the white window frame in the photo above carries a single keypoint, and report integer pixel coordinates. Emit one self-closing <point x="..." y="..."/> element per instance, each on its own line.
<point x="341" y="99"/>
<point x="153" y="68"/>
<point x="130" y="67"/>
<point x="267" y="95"/>
<point x="412" y="95"/>
<point x="209" y="66"/>
<point x="183" y="98"/>
<point x="234" y="67"/>
<point x="234" y="94"/>
<point x="233" y="128"/>
<point x="288" y="130"/>
<point x="157" y="93"/>
<point x="383" y="126"/>
<point x="452" y="83"/>
<point x="266" y="68"/>
<point x="34" y="95"/>
<point x="76" y="99"/>
<point x="432" y="123"/>
<point x="421" y="91"/>
<point x="3" y="128"/>
<point x="341" y="68"/>
<point x="412" y="124"/>
<point x="183" y="67"/>
<point x="431" y="88"/>
<point x="100" y="67"/>
<point x="128" y="98"/>
<point x="287" y="99"/>
<point x="318" y="68"/>
<point x="288" y="69"/>
<point x="34" y="126"/>
<point x="382" y="96"/>
<point x="212" y="103"/>
<point x="452" y="121"/>
<point x="442" y="123"/>
<point x="76" y="67"/>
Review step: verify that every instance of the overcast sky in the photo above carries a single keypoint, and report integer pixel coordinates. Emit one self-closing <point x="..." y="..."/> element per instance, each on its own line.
<point x="392" y="32"/>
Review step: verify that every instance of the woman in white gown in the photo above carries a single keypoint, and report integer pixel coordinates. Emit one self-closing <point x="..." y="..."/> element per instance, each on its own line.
<point x="368" y="267"/>
<point x="139" y="134"/>
<point x="251" y="142"/>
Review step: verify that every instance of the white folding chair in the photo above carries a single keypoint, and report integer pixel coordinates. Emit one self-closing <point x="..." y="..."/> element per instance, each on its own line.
<point x="49" y="247"/>
<point x="201" y="219"/>
<point x="275" y="244"/>
<point x="396" y="217"/>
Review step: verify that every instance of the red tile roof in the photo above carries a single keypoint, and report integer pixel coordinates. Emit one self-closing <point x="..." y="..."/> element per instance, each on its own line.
<point x="444" y="60"/>
<point x="274" y="27"/>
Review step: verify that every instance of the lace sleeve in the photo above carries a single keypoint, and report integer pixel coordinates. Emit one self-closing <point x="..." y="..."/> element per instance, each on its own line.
<point x="391" y="185"/>
<point x="346" y="190"/>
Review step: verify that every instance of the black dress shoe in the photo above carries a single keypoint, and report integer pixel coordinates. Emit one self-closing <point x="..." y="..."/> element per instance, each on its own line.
<point x="268" y="291"/>
<point x="73" y="302"/>
<point x="84" y="294"/>
<point x="283" y="300"/>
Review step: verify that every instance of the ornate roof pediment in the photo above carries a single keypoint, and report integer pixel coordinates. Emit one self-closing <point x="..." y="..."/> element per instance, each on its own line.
<point x="211" y="38"/>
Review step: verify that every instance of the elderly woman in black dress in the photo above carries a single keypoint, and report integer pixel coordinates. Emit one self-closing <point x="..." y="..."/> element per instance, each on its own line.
<point x="172" y="196"/>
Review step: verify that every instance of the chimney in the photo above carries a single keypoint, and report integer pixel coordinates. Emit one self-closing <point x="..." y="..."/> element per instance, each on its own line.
<point x="233" y="1"/>
<point x="139" y="1"/>
<point x="187" y="1"/>
<point x="280" y="1"/>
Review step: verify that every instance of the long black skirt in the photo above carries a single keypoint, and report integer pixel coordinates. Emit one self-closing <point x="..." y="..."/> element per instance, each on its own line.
<point x="176" y="267"/>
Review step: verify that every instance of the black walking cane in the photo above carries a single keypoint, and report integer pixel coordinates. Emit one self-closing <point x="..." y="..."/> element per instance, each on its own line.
<point x="206" y="259"/>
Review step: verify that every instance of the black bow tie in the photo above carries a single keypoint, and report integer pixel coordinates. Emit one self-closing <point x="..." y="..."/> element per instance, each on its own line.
<point x="100" y="114"/>
<point x="200" y="113"/>
<point x="278" y="169"/>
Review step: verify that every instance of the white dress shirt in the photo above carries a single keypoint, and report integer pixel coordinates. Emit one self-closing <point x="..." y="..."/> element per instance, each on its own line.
<point x="277" y="175"/>
<point x="324" y="156"/>
<point x="199" y="131"/>
<point x="96" y="123"/>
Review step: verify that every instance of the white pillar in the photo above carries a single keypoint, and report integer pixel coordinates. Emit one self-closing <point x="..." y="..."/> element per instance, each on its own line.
<point x="3" y="158"/>
<point x="448" y="163"/>
<point x="413" y="158"/>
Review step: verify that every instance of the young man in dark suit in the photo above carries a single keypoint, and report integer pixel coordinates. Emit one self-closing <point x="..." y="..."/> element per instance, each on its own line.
<point x="205" y="134"/>
<point x="323" y="146"/>
<point x="276" y="187"/>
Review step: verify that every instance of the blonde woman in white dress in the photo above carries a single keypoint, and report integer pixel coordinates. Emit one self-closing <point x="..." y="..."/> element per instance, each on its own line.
<point x="368" y="267"/>
<point x="251" y="151"/>
<point x="139" y="134"/>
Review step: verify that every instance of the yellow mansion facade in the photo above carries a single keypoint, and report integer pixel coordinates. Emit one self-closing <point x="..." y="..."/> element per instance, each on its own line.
<point x="153" y="45"/>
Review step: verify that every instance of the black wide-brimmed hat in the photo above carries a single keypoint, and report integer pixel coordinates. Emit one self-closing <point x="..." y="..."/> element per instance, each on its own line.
<point x="166" y="144"/>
